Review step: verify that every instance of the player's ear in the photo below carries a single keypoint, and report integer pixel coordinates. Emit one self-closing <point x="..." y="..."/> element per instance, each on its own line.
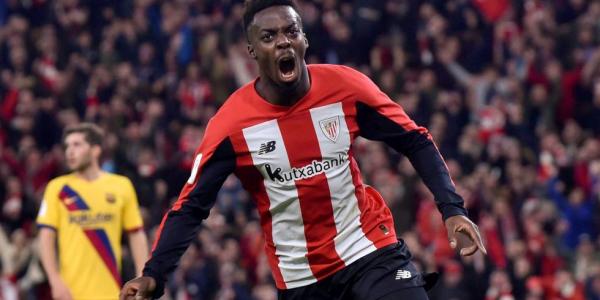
<point x="97" y="150"/>
<point x="251" y="51"/>
<point x="305" y="39"/>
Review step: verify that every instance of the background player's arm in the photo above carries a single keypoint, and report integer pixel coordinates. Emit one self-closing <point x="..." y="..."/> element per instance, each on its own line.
<point x="133" y="225"/>
<point x="182" y="222"/>
<point x="139" y="249"/>
<point x="49" y="260"/>
<point x="48" y="255"/>
<point x="48" y="220"/>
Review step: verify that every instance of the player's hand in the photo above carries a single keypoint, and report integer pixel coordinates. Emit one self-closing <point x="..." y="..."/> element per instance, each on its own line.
<point x="60" y="291"/>
<point x="460" y="230"/>
<point x="140" y="288"/>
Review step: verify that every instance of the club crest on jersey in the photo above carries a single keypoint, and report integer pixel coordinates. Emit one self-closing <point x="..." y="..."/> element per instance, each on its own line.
<point x="110" y="198"/>
<point x="331" y="127"/>
<point x="70" y="200"/>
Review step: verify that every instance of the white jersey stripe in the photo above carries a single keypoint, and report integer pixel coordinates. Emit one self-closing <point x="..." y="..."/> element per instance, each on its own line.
<point x="266" y="146"/>
<point x="334" y="140"/>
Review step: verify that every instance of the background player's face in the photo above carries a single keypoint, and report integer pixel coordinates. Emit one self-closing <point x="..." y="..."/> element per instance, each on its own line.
<point x="79" y="154"/>
<point x="278" y="44"/>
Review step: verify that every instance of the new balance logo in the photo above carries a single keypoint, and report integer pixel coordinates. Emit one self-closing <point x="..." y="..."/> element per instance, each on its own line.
<point x="266" y="147"/>
<point x="403" y="274"/>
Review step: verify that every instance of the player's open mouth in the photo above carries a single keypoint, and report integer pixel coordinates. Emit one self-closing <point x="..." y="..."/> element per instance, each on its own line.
<point x="287" y="68"/>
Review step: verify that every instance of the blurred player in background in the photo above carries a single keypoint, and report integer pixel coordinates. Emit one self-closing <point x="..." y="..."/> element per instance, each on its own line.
<point x="287" y="135"/>
<point x="85" y="213"/>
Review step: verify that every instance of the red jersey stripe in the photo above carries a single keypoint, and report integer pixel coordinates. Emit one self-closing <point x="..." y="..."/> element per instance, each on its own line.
<point x="159" y="232"/>
<point x="254" y="183"/>
<point x="372" y="213"/>
<point x="99" y="240"/>
<point x="314" y="195"/>
<point x="350" y="115"/>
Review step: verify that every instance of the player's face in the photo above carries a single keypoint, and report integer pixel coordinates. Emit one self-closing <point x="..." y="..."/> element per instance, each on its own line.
<point x="278" y="44"/>
<point x="79" y="154"/>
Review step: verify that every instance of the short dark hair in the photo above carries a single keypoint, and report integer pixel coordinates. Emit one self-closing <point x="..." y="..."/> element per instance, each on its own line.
<point x="93" y="134"/>
<point x="252" y="7"/>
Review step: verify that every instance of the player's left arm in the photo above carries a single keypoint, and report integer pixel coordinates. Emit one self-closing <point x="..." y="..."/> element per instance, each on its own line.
<point x="133" y="225"/>
<point x="214" y="160"/>
<point x="381" y="119"/>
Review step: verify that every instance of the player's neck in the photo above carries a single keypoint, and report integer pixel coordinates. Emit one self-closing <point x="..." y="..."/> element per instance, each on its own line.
<point x="90" y="173"/>
<point x="284" y="96"/>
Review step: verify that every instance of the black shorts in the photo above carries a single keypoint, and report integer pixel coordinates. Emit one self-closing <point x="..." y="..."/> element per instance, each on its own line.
<point x="384" y="274"/>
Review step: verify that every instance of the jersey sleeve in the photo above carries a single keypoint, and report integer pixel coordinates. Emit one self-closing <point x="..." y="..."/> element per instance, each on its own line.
<point x="214" y="161"/>
<point x="379" y="118"/>
<point x="49" y="213"/>
<point x="132" y="218"/>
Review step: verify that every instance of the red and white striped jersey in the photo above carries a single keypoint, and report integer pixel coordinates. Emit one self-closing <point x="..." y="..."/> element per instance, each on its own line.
<point x="297" y="162"/>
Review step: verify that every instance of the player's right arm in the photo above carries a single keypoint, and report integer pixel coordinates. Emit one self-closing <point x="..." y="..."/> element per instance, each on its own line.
<point x="49" y="224"/>
<point x="213" y="162"/>
<point x="60" y="291"/>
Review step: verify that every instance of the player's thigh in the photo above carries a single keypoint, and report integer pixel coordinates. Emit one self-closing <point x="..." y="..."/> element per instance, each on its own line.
<point x="414" y="293"/>
<point x="389" y="277"/>
<point x="315" y="294"/>
<point x="323" y="290"/>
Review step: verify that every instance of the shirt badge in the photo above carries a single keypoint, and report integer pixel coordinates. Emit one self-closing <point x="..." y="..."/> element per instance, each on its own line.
<point x="331" y="127"/>
<point x="110" y="198"/>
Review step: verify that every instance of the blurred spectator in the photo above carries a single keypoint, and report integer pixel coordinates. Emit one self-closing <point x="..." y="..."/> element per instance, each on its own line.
<point x="593" y="288"/>
<point x="562" y="285"/>
<point x="577" y="211"/>
<point x="453" y="284"/>
<point x="500" y="287"/>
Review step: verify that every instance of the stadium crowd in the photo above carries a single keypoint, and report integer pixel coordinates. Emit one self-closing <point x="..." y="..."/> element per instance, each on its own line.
<point x="510" y="91"/>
